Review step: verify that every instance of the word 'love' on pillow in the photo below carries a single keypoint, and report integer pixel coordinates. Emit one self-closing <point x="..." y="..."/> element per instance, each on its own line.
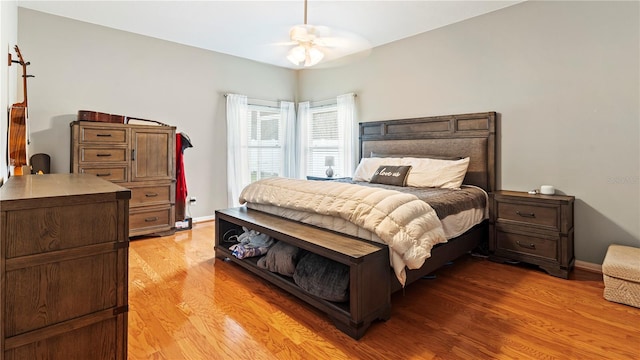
<point x="391" y="175"/>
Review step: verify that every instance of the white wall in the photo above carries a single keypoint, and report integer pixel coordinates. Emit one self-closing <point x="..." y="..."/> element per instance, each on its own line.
<point x="8" y="74"/>
<point x="79" y="66"/>
<point x="563" y="75"/>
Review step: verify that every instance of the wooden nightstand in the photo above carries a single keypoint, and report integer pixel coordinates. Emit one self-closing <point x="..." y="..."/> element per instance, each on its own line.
<point x="318" y="178"/>
<point x="536" y="229"/>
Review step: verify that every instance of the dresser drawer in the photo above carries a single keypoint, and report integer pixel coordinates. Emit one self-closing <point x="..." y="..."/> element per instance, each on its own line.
<point x="149" y="194"/>
<point x="82" y="341"/>
<point x="146" y="220"/>
<point x="56" y="228"/>
<point x="526" y="244"/>
<point x="58" y="291"/>
<point x="102" y="155"/>
<point x="116" y="174"/>
<point x="103" y="135"/>
<point x="533" y="214"/>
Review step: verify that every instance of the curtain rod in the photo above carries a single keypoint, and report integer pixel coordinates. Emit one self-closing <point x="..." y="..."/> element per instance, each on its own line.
<point x="248" y="98"/>
<point x="354" y="95"/>
<point x="327" y="102"/>
<point x="332" y="99"/>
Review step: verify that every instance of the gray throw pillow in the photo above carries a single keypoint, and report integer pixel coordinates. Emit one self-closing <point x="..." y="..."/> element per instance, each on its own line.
<point x="281" y="258"/>
<point x="322" y="277"/>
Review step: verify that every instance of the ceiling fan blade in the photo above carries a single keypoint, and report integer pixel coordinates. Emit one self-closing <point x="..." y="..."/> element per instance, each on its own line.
<point x="284" y="43"/>
<point x="343" y="40"/>
<point x="332" y="42"/>
<point x="322" y="31"/>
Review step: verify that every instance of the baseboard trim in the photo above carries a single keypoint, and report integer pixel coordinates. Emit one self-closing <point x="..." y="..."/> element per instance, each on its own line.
<point x="587" y="266"/>
<point x="204" y="219"/>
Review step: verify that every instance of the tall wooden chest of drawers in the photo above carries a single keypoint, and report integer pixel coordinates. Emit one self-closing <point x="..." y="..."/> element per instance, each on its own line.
<point x="138" y="157"/>
<point x="536" y="229"/>
<point x="64" y="265"/>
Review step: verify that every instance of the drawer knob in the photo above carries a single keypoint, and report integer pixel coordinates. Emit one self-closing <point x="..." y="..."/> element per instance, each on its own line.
<point x="151" y="219"/>
<point x="104" y="154"/>
<point x="526" y="246"/>
<point x="103" y="135"/>
<point x="527" y="215"/>
<point x="103" y="174"/>
<point x="151" y="194"/>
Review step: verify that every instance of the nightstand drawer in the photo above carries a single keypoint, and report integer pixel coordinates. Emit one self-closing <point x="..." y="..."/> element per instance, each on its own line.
<point x="528" y="214"/>
<point x="526" y="244"/>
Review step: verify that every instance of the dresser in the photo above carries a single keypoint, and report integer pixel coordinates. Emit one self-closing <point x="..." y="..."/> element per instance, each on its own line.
<point x="138" y="157"/>
<point x="64" y="262"/>
<point x="533" y="228"/>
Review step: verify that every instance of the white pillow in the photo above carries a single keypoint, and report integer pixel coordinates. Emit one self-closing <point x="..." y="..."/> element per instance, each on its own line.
<point x="435" y="172"/>
<point x="368" y="166"/>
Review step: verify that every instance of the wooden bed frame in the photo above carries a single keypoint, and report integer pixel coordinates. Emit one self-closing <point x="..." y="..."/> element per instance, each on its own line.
<point x="471" y="135"/>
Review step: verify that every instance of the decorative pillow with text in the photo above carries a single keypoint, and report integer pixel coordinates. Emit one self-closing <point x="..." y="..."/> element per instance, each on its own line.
<point x="391" y="175"/>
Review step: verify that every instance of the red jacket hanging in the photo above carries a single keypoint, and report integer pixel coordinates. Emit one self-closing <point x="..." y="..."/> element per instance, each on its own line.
<point x="182" y="142"/>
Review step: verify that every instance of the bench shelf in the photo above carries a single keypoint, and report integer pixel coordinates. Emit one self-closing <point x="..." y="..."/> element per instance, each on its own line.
<point x="369" y="270"/>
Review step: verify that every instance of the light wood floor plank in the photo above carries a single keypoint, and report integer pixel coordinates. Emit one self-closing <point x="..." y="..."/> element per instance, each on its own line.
<point x="184" y="304"/>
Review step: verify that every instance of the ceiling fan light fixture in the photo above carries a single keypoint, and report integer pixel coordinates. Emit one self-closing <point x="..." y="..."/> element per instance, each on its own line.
<point x="296" y="55"/>
<point x="305" y="55"/>
<point x="313" y="56"/>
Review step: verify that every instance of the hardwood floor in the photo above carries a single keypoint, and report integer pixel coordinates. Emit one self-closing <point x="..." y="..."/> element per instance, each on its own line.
<point x="186" y="305"/>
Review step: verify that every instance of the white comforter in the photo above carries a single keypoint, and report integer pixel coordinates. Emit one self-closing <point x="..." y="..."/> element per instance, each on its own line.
<point x="408" y="225"/>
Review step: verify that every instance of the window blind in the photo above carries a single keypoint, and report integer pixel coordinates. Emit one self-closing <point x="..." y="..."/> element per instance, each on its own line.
<point x="264" y="145"/>
<point x="323" y="139"/>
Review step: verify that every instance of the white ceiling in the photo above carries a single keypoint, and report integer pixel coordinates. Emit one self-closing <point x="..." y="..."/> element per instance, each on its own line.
<point x="256" y="30"/>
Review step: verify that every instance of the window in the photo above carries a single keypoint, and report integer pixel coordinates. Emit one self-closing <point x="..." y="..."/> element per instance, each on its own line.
<point x="327" y="131"/>
<point x="264" y="140"/>
<point x="264" y="143"/>
<point x="323" y="140"/>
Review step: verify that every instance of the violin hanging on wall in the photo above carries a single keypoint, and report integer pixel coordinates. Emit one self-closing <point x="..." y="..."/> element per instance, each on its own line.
<point x="18" y="135"/>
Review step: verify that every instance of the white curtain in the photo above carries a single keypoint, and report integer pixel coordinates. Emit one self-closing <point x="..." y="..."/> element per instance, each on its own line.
<point x="288" y="140"/>
<point x="302" y="143"/>
<point x="349" y="135"/>
<point x="237" y="148"/>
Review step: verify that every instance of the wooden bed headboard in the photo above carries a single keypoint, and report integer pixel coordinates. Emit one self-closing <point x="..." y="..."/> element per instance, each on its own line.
<point x="471" y="135"/>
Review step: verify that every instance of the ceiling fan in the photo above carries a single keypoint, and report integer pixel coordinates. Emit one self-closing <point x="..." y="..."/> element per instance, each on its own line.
<point x="313" y="42"/>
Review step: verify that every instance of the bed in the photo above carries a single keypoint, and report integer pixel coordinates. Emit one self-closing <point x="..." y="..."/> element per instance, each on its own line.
<point x="464" y="136"/>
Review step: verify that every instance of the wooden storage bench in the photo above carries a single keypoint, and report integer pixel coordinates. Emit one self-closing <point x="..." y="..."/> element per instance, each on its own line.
<point x="369" y="298"/>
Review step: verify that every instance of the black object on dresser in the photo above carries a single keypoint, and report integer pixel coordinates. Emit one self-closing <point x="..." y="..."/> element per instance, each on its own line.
<point x="536" y="229"/>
